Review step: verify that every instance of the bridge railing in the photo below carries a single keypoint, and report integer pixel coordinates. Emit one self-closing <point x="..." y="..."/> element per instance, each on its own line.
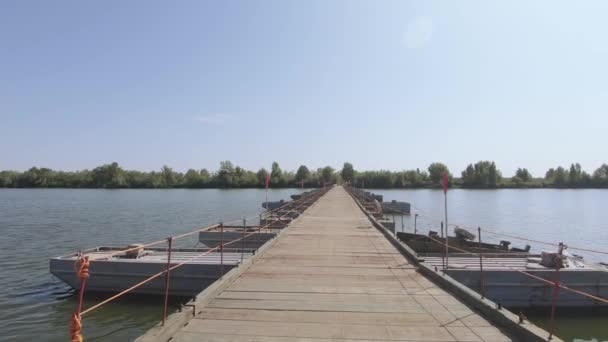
<point x="82" y="264"/>
<point x="556" y="284"/>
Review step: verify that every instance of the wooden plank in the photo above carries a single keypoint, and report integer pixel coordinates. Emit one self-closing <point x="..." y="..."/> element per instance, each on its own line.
<point x="331" y="276"/>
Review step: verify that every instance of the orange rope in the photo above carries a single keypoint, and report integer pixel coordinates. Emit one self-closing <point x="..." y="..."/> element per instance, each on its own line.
<point x="198" y="230"/>
<point x="195" y="231"/>
<point x="81" y="266"/>
<point x="144" y="282"/>
<point x="599" y="299"/>
<point x="165" y="271"/>
<point x="76" y="328"/>
<point x="154" y="277"/>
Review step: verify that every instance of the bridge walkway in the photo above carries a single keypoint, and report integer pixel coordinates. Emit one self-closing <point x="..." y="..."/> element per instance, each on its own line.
<point x="332" y="276"/>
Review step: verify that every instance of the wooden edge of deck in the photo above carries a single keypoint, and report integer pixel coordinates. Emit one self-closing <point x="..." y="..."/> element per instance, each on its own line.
<point x="503" y="318"/>
<point x="181" y="318"/>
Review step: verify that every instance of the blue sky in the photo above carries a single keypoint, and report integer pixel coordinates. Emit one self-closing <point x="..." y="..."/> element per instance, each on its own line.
<point x="384" y="85"/>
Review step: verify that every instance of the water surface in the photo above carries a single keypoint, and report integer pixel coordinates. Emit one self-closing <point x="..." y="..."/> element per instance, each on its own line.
<point x="577" y="218"/>
<point x="36" y="224"/>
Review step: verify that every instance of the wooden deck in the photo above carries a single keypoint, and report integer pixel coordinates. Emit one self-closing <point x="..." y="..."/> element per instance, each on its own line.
<point x="332" y="276"/>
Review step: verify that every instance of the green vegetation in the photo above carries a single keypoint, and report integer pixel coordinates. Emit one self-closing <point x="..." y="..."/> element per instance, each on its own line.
<point x="348" y="172"/>
<point x="483" y="175"/>
<point x="480" y="175"/>
<point x="436" y="171"/>
<point x="112" y="176"/>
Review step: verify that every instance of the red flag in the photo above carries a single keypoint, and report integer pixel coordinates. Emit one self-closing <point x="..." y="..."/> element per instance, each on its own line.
<point x="267" y="181"/>
<point x="445" y="182"/>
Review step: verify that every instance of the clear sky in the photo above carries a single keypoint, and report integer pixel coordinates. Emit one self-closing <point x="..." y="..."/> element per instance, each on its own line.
<point x="384" y="85"/>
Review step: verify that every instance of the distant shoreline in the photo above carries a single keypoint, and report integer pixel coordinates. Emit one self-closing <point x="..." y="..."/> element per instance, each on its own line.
<point x="483" y="174"/>
<point x="438" y="188"/>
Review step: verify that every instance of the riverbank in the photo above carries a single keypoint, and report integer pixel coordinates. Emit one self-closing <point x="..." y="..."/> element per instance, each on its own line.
<point x="454" y="184"/>
<point x="482" y="175"/>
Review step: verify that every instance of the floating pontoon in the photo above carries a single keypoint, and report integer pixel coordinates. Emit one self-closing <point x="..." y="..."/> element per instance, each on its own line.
<point x="112" y="272"/>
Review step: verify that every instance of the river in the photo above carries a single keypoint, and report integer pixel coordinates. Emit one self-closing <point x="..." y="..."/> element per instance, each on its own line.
<point x="36" y="224"/>
<point x="575" y="217"/>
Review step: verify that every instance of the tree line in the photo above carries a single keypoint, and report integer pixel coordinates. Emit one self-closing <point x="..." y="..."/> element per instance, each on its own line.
<point x="480" y="175"/>
<point x="114" y="176"/>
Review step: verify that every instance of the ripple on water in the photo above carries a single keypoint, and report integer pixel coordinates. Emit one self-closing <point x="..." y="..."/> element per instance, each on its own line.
<point x="37" y="224"/>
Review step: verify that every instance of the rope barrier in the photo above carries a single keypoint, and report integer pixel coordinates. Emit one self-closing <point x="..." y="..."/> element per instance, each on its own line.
<point x="520" y="238"/>
<point x="547" y="243"/>
<point x="588" y="295"/>
<point x="431" y="219"/>
<point x="535" y="241"/>
<point x="76" y="326"/>
<point x="267" y="225"/>
<point x="424" y="215"/>
<point x="558" y="261"/>
<point x="122" y="293"/>
<point x="197" y="230"/>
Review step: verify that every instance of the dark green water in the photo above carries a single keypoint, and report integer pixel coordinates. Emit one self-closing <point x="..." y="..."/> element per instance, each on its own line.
<point x="38" y="224"/>
<point x="574" y="326"/>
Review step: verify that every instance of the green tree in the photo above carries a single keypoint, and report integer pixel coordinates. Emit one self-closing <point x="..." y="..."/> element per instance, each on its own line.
<point x="327" y="174"/>
<point x="109" y="176"/>
<point x="36" y="178"/>
<point x="225" y="174"/>
<point x="415" y="178"/>
<point x="8" y="179"/>
<point x="600" y="176"/>
<point x="484" y="174"/>
<point x="205" y="177"/>
<point x="250" y="179"/>
<point x="560" y="177"/>
<point x="276" y="175"/>
<point x="303" y="174"/>
<point x="494" y="175"/>
<point x="348" y="172"/>
<point x="436" y="171"/>
<point x="240" y="176"/>
<point x="408" y="179"/>
<point x="192" y="179"/>
<point x="169" y="177"/>
<point x="468" y="176"/>
<point x="575" y="175"/>
<point x="380" y="179"/>
<point x="523" y="174"/>
<point x="261" y="176"/>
